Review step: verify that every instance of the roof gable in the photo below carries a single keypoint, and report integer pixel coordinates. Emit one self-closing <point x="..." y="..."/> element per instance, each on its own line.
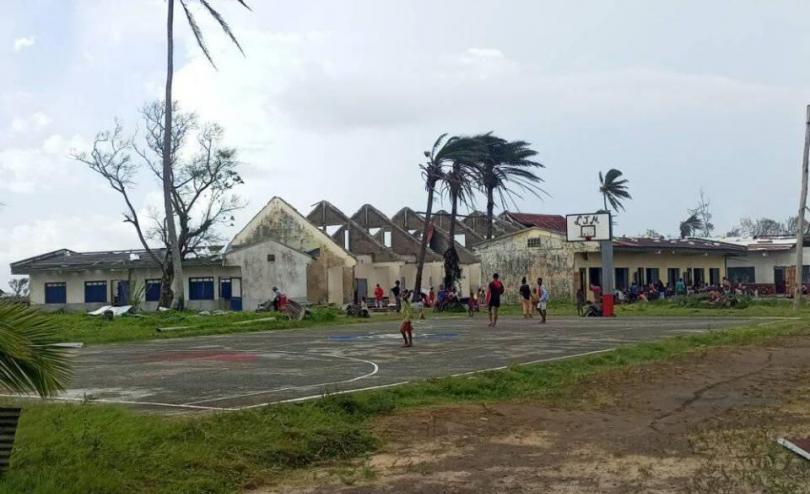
<point x="280" y="221"/>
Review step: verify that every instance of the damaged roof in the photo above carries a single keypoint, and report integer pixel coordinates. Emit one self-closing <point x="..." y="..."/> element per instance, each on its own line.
<point x="683" y="244"/>
<point x="69" y="260"/>
<point x="549" y="222"/>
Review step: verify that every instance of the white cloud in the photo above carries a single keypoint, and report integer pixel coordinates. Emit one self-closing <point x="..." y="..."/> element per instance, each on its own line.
<point x="485" y="52"/>
<point x="86" y="233"/>
<point x="22" y="43"/>
<point x="34" y="122"/>
<point x="34" y="169"/>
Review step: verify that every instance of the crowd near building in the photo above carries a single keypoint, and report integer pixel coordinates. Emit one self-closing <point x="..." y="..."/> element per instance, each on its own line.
<point x="329" y="257"/>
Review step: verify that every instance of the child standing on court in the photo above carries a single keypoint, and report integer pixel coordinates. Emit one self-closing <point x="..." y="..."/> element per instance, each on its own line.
<point x="406" y="328"/>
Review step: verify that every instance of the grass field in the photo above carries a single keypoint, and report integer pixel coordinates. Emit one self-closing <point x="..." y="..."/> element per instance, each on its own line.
<point x="95" y="330"/>
<point x="102" y="449"/>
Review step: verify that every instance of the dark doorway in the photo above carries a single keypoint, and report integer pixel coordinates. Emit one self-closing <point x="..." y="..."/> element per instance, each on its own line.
<point x="362" y="289"/>
<point x="595" y="276"/>
<point x="121" y="294"/>
<point x="779" y="280"/>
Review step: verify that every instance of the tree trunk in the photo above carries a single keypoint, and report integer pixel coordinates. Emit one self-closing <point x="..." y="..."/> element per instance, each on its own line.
<point x="451" y="269"/>
<point x="490" y="211"/>
<point x="168" y="176"/>
<point x="797" y="289"/>
<point x="166" y="294"/>
<point x="417" y="289"/>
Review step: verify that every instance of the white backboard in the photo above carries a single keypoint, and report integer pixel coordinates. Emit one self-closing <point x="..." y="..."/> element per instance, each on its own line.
<point x="588" y="226"/>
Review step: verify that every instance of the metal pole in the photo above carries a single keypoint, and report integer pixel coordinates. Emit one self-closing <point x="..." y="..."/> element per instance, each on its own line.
<point x="797" y="288"/>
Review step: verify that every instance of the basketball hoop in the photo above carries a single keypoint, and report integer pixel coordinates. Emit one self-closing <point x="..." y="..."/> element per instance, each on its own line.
<point x="587" y="232"/>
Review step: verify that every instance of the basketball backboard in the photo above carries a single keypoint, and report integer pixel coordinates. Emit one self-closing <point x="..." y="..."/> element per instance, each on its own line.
<point x="588" y="226"/>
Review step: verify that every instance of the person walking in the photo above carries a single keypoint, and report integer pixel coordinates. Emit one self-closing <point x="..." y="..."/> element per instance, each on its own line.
<point x="580" y="301"/>
<point x="378" y="296"/>
<point x="526" y="298"/>
<point x="542" y="303"/>
<point x="406" y="327"/>
<point x="494" y="292"/>
<point x="396" y="292"/>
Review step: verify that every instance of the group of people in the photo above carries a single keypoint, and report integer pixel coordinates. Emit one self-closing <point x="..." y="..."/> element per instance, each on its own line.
<point x="531" y="299"/>
<point x="657" y="290"/>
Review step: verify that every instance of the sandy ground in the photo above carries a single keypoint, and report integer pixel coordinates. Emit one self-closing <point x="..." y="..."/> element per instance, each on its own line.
<point x="707" y="423"/>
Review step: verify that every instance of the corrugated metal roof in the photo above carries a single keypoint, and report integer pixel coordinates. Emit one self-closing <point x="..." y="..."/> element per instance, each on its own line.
<point x="550" y="222"/>
<point x="66" y="259"/>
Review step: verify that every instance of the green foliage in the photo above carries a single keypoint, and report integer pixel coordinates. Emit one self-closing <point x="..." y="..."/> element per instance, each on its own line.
<point x="86" y="449"/>
<point x="29" y="362"/>
<point x="93" y="329"/>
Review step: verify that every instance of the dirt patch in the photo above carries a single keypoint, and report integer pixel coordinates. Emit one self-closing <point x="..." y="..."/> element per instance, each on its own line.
<point x="706" y="423"/>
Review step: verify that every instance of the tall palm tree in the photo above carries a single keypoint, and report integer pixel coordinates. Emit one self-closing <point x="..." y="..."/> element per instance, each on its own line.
<point x="443" y="152"/>
<point x="458" y="183"/>
<point x="29" y="360"/>
<point x="504" y="163"/>
<point x="690" y="225"/>
<point x="168" y="181"/>
<point x="613" y="189"/>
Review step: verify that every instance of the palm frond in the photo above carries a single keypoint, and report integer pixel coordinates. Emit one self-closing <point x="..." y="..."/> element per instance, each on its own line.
<point x="198" y="35"/>
<point x="29" y="360"/>
<point x="244" y="5"/>
<point x="225" y="27"/>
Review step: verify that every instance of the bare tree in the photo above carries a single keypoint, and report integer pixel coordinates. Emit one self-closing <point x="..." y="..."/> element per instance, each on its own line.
<point x="702" y="213"/>
<point x="19" y="286"/>
<point x="201" y="187"/>
<point x="763" y="227"/>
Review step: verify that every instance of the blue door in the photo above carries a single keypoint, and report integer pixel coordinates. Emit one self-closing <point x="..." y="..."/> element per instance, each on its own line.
<point x="122" y="293"/>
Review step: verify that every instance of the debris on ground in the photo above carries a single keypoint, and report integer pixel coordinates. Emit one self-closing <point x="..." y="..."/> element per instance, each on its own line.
<point x="116" y="311"/>
<point x="799" y="446"/>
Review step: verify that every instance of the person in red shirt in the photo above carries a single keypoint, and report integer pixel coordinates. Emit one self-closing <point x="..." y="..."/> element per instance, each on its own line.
<point x="431" y="298"/>
<point x="494" y="292"/>
<point x="378" y="296"/>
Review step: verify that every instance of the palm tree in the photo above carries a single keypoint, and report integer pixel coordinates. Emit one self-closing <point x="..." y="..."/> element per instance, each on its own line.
<point x="690" y="225"/>
<point x="613" y="189"/>
<point x="168" y="181"/>
<point x="29" y="360"/>
<point x="458" y="183"/>
<point x="443" y="152"/>
<point x="503" y="163"/>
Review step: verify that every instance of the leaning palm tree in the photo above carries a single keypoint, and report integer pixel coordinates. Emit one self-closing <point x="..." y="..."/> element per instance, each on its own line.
<point x="613" y="189"/>
<point x="459" y="184"/>
<point x="29" y="360"/>
<point x="443" y="152"/>
<point x="690" y="225"/>
<point x="502" y="165"/>
<point x="168" y="158"/>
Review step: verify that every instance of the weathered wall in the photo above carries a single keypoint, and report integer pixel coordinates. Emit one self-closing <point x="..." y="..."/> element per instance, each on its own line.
<point x="288" y="271"/>
<point x="74" y="286"/>
<point x="512" y="258"/>
<point x="281" y="222"/>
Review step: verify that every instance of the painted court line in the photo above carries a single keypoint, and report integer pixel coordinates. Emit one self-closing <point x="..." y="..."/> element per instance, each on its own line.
<point x="391" y="385"/>
<point x="374" y="370"/>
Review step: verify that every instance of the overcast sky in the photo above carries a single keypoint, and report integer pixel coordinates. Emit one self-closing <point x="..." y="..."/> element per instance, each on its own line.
<point x="337" y="100"/>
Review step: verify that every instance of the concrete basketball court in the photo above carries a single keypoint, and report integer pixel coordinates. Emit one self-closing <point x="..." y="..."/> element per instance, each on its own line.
<point x="246" y="370"/>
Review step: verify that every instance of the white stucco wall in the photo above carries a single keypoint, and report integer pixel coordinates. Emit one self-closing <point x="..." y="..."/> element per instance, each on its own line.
<point x="288" y="271"/>
<point x="75" y="280"/>
<point x="764" y="262"/>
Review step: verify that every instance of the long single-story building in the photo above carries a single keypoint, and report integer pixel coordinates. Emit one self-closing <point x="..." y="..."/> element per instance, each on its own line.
<point x="233" y="280"/>
<point x="648" y="260"/>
